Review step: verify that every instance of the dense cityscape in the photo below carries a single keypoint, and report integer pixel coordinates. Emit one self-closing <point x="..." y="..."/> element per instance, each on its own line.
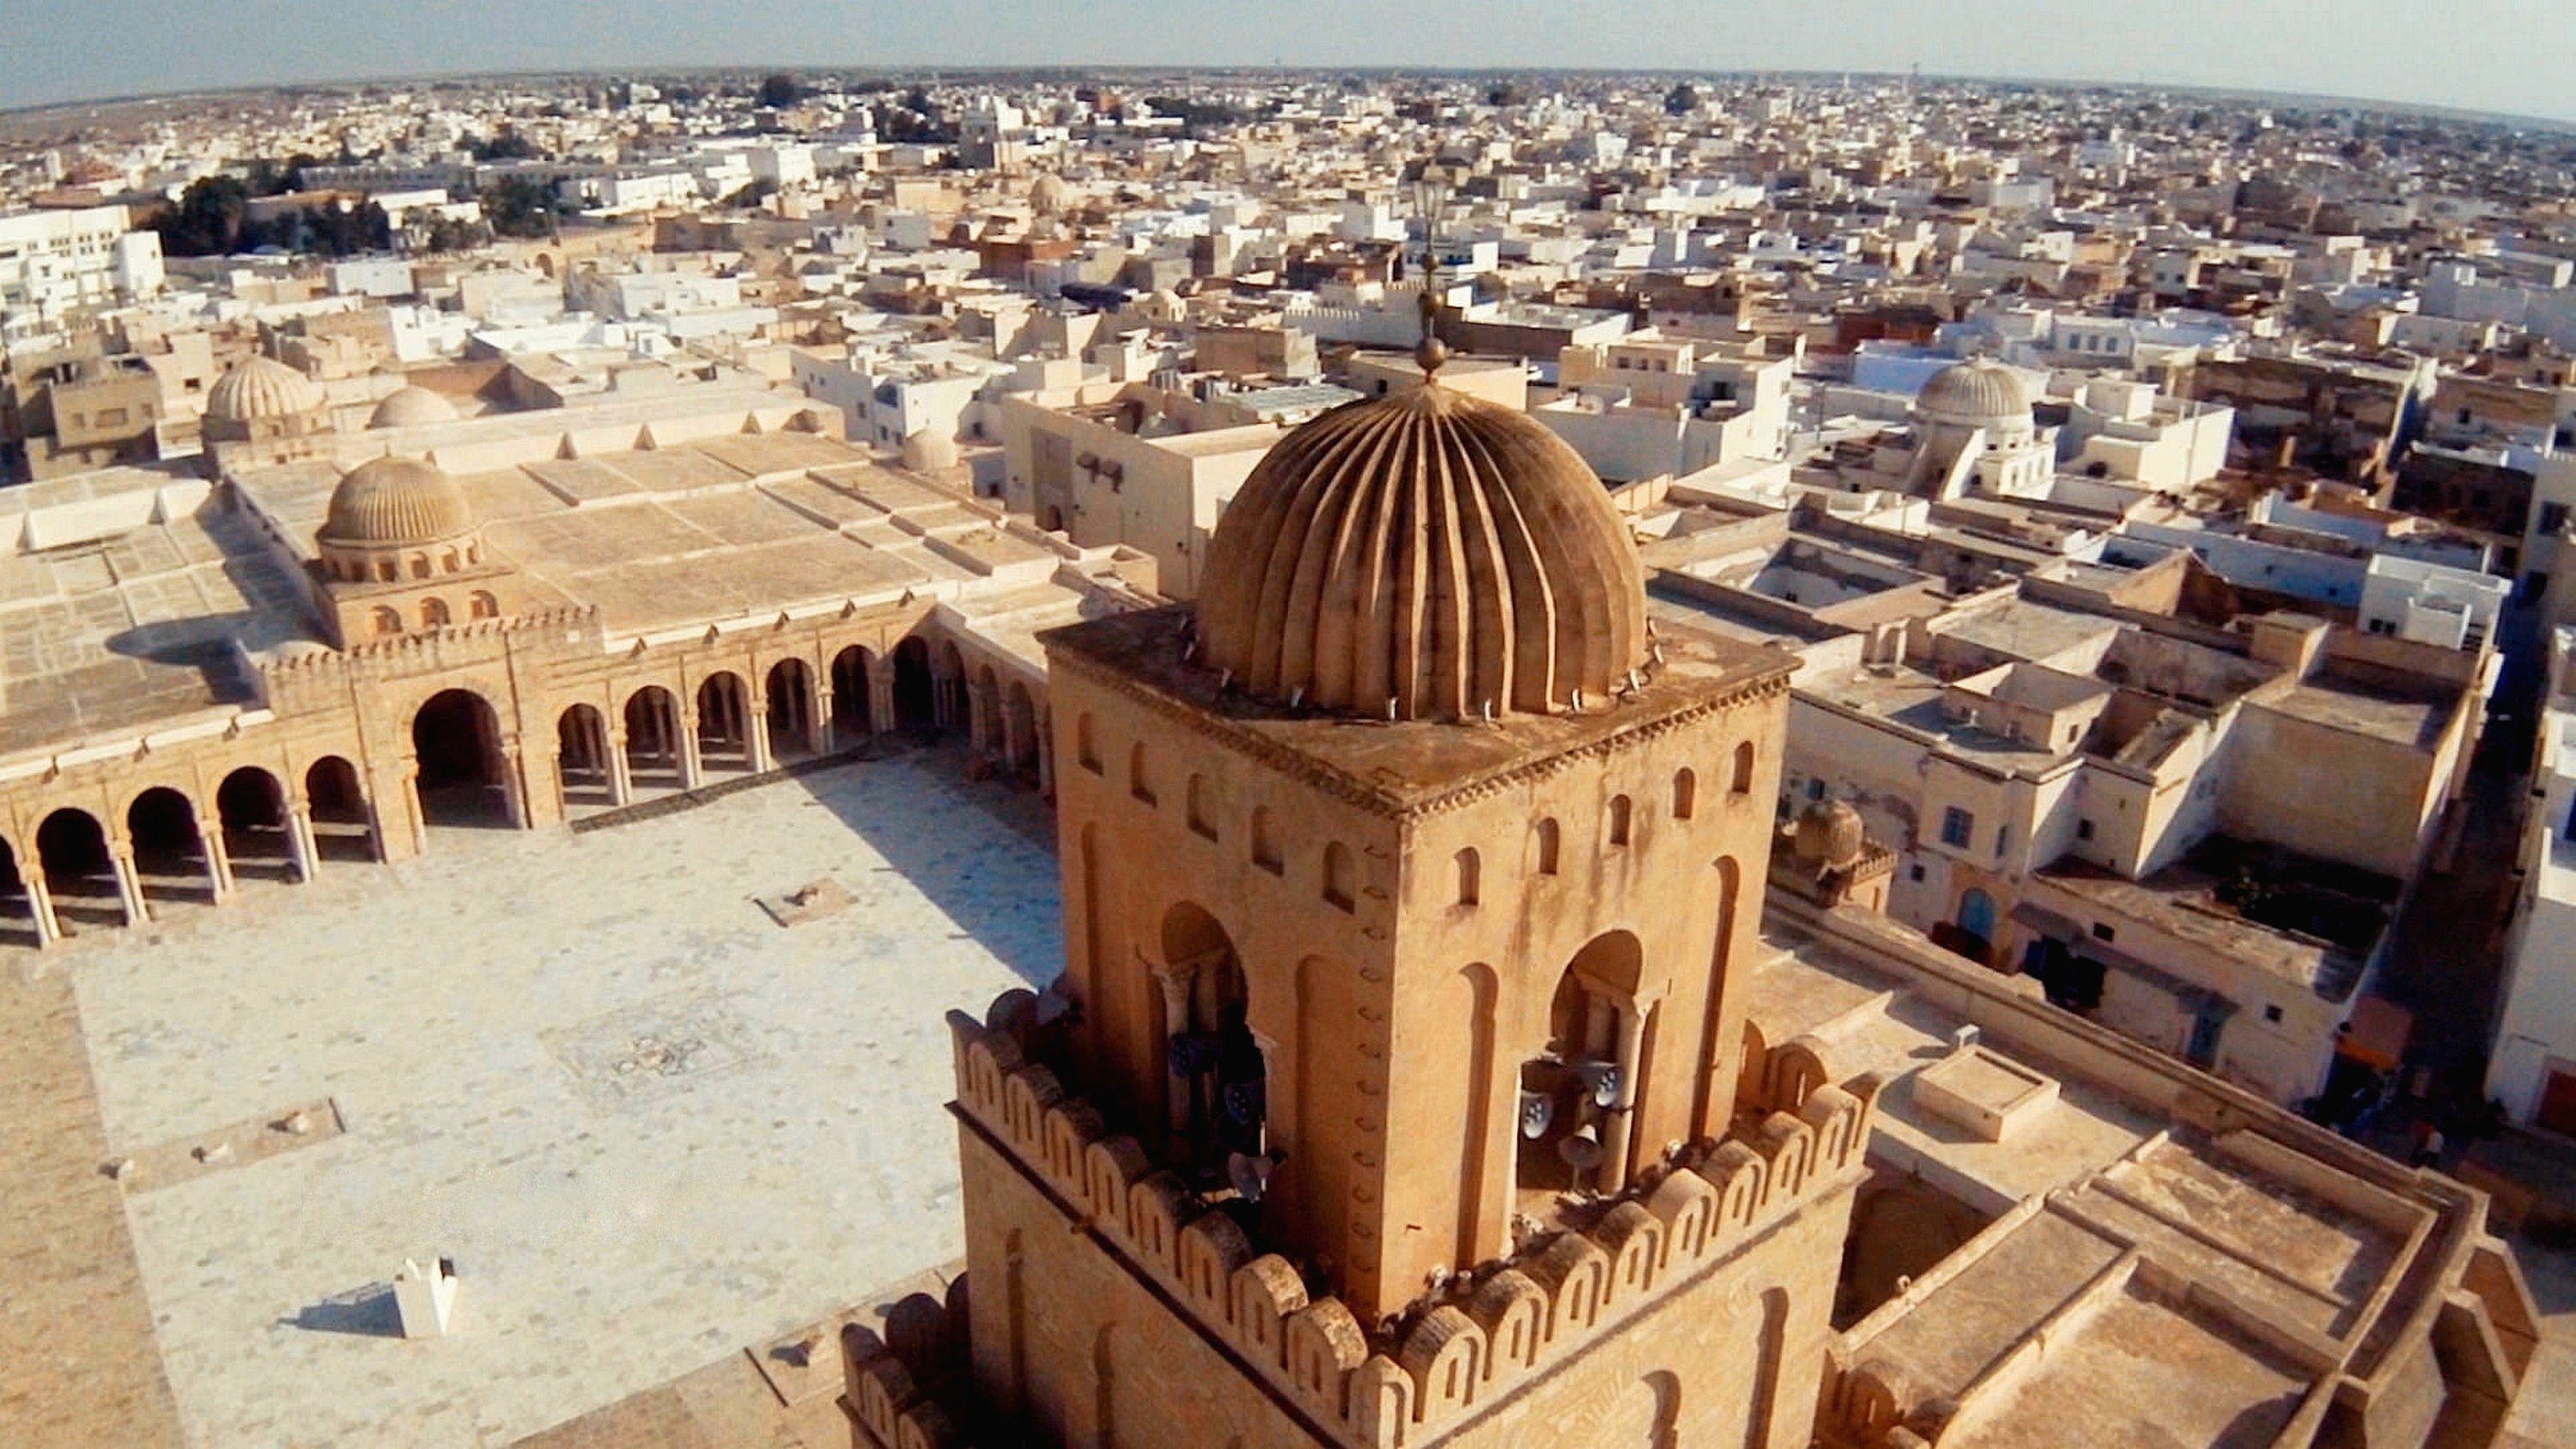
<point x="1655" y="759"/>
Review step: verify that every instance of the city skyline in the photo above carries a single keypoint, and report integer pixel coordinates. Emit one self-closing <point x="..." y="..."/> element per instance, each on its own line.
<point x="2498" y="60"/>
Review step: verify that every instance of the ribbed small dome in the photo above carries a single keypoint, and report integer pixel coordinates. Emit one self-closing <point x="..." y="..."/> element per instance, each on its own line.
<point x="1049" y="194"/>
<point x="1426" y="554"/>
<point x="411" y="407"/>
<point x="1830" y="834"/>
<point x="390" y="502"/>
<point x="261" y="387"/>
<point x="1976" y="393"/>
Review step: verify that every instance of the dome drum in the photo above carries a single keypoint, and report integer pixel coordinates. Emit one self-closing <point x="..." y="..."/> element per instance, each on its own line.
<point x="392" y="503"/>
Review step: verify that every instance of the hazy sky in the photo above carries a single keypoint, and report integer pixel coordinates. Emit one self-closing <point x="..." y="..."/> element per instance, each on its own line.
<point x="2516" y="56"/>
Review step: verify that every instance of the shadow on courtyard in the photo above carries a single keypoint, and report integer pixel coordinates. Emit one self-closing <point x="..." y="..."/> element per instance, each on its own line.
<point x="366" y="1312"/>
<point x="911" y="807"/>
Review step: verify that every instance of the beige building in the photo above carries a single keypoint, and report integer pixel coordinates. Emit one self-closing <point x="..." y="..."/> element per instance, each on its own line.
<point x="515" y="619"/>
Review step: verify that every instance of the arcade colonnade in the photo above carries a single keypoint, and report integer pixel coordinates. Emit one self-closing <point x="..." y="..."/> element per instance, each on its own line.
<point x="515" y="739"/>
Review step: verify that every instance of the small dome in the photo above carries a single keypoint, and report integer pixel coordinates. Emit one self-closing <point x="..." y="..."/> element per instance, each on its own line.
<point x="1829" y="835"/>
<point x="261" y="387"/>
<point x="411" y="407"/>
<point x="1049" y="194"/>
<point x="1428" y="554"/>
<point x="395" y="501"/>
<point x="1977" y="393"/>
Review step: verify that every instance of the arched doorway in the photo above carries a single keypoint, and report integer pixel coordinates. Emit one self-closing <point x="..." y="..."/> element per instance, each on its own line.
<point x="581" y="758"/>
<point x="1577" y="1094"/>
<point x="463" y="780"/>
<point x="791" y="710"/>
<point x="653" y="739"/>
<point x="170" y="861"/>
<point x="1977" y="920"/>
<point x="724" y="723"/>
<point x="71" y="850"/>
<point x="851" y="670"/>
<point x="1214" y="1073"/>
<point x="250" y="808"/>
<point x="17" y="904"/>
<point x="343" y="827"/>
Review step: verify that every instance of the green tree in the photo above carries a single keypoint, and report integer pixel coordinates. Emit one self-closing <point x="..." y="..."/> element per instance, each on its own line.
<point x="521" y="206"/>
<point x="1682" y="99"/>
<point x="209" y="219"/>
<point x="778" y="92"/>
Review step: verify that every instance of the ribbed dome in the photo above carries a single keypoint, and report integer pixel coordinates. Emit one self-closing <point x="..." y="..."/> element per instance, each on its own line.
<point x="395" y="501"/>
<point x="261" y="387"/>
<point x="1975" y="393"/>
<point x="1049" y="194"/>
<point x="411" y="407"/>
<point x="1830" y="833"/>
<point x="1428" y="549"/>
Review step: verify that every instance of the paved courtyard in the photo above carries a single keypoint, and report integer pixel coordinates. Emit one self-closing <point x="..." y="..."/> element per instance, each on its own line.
<point x="650" y="1124"/>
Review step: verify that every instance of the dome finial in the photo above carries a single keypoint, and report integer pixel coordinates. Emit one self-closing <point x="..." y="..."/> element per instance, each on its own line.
<point x="1431" y="351"/>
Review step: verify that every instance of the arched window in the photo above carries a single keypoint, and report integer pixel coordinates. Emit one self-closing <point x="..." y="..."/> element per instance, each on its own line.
<point x="1619" y="810"/>
<point x="1685" y="794"/>
<point x="1742" y="784"/>
<point x="1086" y="747"/>
<point x="1547" y="847"/>
<point x="473" y="553"/>
<point x="483" y="606"/>
<point x="433" y="614"/>
<point x="387" y="571"/>
<point x="1202" y="808"/>
<point x="1265" y="844"/>
<point x="1341" y="876"/>
<point x="420" y="566"/>
<point x="388" y="621"/>
<point x="1470" y="869"/>
<point x="447" y="564"/>
<point x="1139" y="784"/>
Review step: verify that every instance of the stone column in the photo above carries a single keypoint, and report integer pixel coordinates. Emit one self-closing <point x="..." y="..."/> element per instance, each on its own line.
<point x="129" y="885"/>
<point x="692" y="770"/>
<point x="1623" y="1111"/>
<point x="1178" y="1089"/>
<point x="514" y="786"/>
<point x="881" y="718"/>
<point x="822" y="730"/>
<point x="978" y="721"/>
<point x="40" y="904"/>
<point x="621" y="772"/>
<point x="755" y="726"/>
<point x="419" y="810"/>
<point x="219" y="862"/>
<point x="300" y="842"/>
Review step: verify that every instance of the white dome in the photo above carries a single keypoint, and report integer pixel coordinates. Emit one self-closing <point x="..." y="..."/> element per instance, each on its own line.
<point x="1978" y="393"/>
<point x="262" y="387"/>
<point x="411" y="407"/>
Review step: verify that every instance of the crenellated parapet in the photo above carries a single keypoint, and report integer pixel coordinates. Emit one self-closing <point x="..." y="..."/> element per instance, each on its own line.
<point x="1450" y="1355"/>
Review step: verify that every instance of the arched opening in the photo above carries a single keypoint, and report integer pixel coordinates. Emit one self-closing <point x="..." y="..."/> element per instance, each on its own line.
<point x="1470" y="877"/>
<point x="1976" y="924"/>
<point x="388" y="621"/>
<point x="581" y="755"/>
<point x="17" y="904"/>
<point x="433" y="614"/>
<point x="791" y="710"/>
<point x="170" y="861"/>
<point x="1742" y="781"/>
<point x="851" y="670"/>
<point x="1086" y="746"/>
<point x="1619" y="811"/>
<point x="1051" y="519"/>
<point x="1546" y="832"/>
<point x="916" y="693"/>
<point x="1140" y="783"/>
<point x="71" y="851"/>
<point x="482" y="605"/>
<point x="653" y="739"/>
<point x="1685" y="794"/>
<point x="463" y="780"/>
<point x="1214" y="1073"/>
<point x="724" y="722"/>
<point x="1709" y="1108"/>
<point x="1020" y="729"/>
<point x="1577" y="1093"/>
<point x="250" y="808"/>
<point x="343" y="827"/>
<point x="420" y="566"/>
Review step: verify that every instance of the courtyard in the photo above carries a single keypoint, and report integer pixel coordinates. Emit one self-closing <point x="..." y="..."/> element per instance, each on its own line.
<point x="650" y="1124"/>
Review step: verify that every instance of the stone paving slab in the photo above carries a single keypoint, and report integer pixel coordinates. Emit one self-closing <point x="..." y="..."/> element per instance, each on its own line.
<point x="778" y="1135"/>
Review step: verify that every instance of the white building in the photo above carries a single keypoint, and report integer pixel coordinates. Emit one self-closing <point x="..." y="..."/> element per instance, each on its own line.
<point x="53" y="262"/>
<point x="2533" y="1068"/>
<point x="2430" y="604"/>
